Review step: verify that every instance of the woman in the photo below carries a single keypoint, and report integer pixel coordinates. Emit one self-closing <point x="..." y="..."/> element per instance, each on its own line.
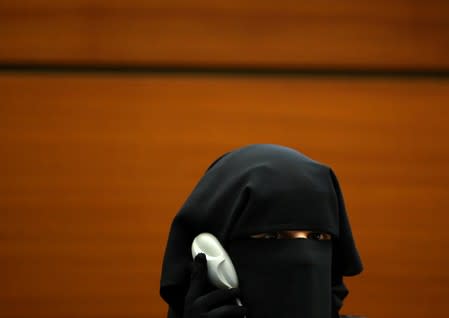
<point x="281" y="217"/>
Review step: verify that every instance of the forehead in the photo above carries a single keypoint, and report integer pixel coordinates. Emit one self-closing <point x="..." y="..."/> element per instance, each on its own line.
<point x="286" y="192"/>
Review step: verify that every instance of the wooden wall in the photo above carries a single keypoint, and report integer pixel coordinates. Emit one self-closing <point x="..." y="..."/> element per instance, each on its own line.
<point x="93" y="166"/>
<point x="325" y="33"/>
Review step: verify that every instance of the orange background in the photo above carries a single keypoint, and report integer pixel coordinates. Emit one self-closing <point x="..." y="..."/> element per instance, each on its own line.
<point x="94" y="165"/>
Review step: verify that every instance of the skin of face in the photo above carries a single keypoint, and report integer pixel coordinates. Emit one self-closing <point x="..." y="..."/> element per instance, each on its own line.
<point x="300" y="234"/>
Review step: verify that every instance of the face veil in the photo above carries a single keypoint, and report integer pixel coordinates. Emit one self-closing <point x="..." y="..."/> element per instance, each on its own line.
<point x="266" y="188"/>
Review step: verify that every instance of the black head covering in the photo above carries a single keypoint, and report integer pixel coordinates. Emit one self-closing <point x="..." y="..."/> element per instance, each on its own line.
<point x="266" y="188"/>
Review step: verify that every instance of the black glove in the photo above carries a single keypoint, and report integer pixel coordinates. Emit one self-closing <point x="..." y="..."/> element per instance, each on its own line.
<point x="200" y="302"/>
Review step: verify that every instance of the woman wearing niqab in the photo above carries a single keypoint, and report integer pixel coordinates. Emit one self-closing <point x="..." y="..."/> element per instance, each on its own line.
<point x="249" y="198"/>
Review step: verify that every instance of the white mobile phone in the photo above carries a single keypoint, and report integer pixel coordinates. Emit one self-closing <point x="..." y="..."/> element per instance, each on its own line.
<point x="220" y="269"/>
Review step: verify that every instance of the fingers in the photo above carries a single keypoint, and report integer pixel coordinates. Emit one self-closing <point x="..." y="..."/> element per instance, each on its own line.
<point x="199" y="267"/>
<point x="198" y="278"/>
<point x="229" y="311"/>
<point x="201" y="302"/>
<point x="220" y="303"/>
<point x="217" y="298"/>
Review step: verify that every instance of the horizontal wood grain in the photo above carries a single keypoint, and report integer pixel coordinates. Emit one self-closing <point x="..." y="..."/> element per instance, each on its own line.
<point x="313" y="34"/>
<point x="93" y="168"/>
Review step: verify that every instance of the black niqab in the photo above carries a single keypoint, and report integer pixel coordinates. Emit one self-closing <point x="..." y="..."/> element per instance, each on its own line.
<point x="267" y="188"/>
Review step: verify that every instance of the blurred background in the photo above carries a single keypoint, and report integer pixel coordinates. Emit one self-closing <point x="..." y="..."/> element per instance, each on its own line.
<point x="110" y="111"/>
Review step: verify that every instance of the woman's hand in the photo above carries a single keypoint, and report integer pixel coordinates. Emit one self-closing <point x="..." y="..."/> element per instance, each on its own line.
<point x="200" y="303"/>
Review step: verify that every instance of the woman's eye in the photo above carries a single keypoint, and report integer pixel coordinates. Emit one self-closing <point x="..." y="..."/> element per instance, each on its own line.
<point x="268" y="236"/>
<point x="318" y="236"/>
<point x="272" y="236"/>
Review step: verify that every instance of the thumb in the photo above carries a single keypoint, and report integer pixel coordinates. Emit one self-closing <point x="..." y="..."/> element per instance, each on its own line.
<point x="198" y="278"/>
